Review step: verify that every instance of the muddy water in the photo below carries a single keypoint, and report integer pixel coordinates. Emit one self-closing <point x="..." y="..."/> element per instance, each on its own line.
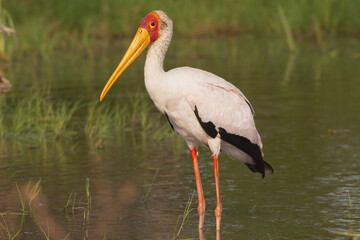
<point x="307" y="112"/>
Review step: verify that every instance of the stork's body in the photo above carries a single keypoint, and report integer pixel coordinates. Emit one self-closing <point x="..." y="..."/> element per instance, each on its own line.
<point x="200" y="106"/>
<point x="192" y="98"/>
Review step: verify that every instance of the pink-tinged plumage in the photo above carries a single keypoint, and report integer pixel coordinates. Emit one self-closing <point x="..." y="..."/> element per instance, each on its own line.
<point x="200" y="106"/>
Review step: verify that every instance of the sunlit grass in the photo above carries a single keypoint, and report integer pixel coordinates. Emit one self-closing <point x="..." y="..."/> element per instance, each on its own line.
<point x="7" y="232"/>
<point x="21" y="199"/>
<point x="33" y="190"/>
<point x="187" y="210"/>
<point x="46" y="232"/>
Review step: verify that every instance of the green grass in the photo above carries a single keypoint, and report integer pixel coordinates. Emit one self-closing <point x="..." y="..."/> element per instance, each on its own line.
<point x="287" y="29"/>
<point x="36" y="117"/>
<point x="187" y="210"/>
<point x="46" y="233"/>
<point x="7" y="232"/>
<point x="148" y="187"/>
<point x="30" y="196"/>
<point x="88" y="197"/>
<point x="33" y="190"/>
<point x="47" y="25"/>
<point x="351" y="209"/>
<point x="134" y="114"/>
<point x="39" y="117"/>
<point x="73" y="205"/>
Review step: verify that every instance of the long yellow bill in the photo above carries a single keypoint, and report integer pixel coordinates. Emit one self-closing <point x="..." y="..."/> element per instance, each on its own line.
<point x="138" y="44"/>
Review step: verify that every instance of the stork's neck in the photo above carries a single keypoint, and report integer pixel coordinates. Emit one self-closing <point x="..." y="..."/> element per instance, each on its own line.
<point x="156" y="55"/>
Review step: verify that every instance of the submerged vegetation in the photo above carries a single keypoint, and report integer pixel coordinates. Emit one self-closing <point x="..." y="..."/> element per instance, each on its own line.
<point x="33" y="204"/>
<point x="187" y="210"/>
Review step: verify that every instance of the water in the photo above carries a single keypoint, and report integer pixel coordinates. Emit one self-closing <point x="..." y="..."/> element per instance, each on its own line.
<point x="307" y="112"/>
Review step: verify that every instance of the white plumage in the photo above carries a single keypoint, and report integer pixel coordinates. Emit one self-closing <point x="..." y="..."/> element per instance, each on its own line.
<point x="179" y="90"/>
<point x="200" y="106"/>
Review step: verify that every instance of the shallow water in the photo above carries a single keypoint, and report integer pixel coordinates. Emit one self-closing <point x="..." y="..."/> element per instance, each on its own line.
<point x="307" y="112"/>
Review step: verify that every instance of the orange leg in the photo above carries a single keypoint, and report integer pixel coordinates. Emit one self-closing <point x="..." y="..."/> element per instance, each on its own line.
<point x="218" y="208"/>
<point x="201" y="200"/>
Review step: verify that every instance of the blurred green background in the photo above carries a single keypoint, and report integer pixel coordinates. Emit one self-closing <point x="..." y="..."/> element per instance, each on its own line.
<point x="58" y="24"/>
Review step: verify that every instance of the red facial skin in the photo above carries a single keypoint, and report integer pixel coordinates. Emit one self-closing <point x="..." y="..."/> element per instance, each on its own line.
<point x="151" y="24"/>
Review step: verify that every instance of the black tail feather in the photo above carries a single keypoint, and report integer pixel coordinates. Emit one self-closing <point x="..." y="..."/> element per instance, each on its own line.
<point x="254" y="168"/>
<point x="268" y="168"/>
<point x="242" y="143"/>
<point x="252" y="149"/>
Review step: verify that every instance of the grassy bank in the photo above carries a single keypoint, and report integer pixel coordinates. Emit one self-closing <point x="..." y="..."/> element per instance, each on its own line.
<point x="56" y="23"/>
<point x="39" y="117"/>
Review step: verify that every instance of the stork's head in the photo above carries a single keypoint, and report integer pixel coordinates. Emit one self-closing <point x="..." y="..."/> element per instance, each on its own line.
<point x="156" y="23"/>
<point x="151" y="27"/>
<point x="150" y="24"/>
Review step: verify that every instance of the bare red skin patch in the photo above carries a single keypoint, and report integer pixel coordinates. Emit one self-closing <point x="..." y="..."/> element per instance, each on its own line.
<point x="151" y="24"/>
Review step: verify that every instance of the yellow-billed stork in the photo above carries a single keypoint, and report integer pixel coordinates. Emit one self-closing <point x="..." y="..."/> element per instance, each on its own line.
<point x="200" y="106"/>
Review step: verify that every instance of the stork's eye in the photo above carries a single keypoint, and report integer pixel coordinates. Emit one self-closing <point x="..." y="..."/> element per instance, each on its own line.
<point x="152" y="24"/>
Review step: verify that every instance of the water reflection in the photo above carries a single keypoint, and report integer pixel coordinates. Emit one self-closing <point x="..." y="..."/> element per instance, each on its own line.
<point x="297" y="98"/>
<point x="289" y="69"/>
<point x="202" y="236"/>
<point x="31" y="201"/>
